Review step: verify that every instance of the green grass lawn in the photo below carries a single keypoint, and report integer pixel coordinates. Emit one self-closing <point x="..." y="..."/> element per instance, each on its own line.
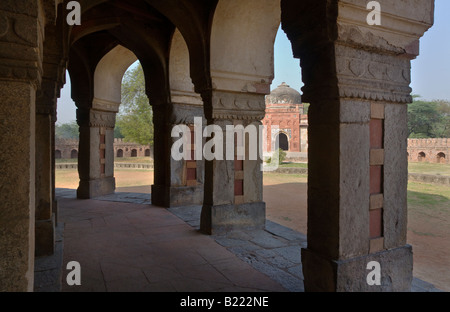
<point x="424" y="168"/>
<point x="134" y="160"/>
<point x="429" y="199"/>
<point x="294" y="165"/>
<point x="128" y="160"/>
<point x="428" y="168"/>
<point x="66" y="161"/>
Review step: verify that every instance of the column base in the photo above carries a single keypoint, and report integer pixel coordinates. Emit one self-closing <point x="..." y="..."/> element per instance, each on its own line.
<point x="45" y="237"/>
<point x="168" y="197"/>
<point x="226" y="218"/>
<point x="350" y="275"/>
<point x="95" y="188"/>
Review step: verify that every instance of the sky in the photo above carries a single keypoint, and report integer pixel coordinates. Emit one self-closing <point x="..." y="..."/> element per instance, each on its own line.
<point x="430" y="71"/>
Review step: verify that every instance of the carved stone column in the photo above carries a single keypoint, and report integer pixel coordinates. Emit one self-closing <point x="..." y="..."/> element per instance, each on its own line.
<point x="183" y="179"/>
<point x="45" y="217"/>
<point x="53" y="80"/>
<point x="96" y="153"/>
<point x="233" y="188"/>
<point x="21" y="38"/>
<point x="357" y="80"/>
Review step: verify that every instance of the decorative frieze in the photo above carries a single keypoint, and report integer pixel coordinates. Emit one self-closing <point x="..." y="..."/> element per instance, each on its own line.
<point x="21" y="46"/>
<point x="94" y="118"/>
<point x="238" y="106"/>
<point x="369" y="76"/>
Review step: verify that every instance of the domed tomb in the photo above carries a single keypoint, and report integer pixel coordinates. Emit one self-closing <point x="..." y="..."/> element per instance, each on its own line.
<point x="284" y="94"/>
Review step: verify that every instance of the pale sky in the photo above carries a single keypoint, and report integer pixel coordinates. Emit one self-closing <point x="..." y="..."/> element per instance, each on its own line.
<point x="430" y="72"/>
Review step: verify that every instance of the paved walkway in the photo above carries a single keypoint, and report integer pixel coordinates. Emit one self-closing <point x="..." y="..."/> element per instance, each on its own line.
<point x="125" y="244"/>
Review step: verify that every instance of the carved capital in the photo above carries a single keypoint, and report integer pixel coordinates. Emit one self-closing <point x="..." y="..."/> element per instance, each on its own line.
<point x="237" y="106"/>
<point x="372" y="76"/>
<point x="184" y="113"/>
<point x="94" y="118"/>
<point x="21" y="43"/>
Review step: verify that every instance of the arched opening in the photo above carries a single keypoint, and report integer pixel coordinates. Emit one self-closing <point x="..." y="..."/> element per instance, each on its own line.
<point x="147" y="152"/>
<point x="421" y="157"/>
<point x="250" y="87"/>
<point x="440" y="158"/>
<point x="283" y="141"/>
<point x="133" y="153"/>
<point x="74" y="154"/>
<point x="58" y="154"/>
<point x="119" y="153"/>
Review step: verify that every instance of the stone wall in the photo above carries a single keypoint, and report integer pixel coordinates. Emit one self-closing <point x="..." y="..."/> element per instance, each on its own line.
<point x="429" y="150"/>
<point x="128" y="149"/>
<point x="68" y="149"/>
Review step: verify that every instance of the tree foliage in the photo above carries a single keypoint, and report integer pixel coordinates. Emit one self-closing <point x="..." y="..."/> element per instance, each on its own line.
<point x="67" y="131"/>
<point x="135" y="118"/>
<point x="428" y="119"/>
<point x="279" y="155"/>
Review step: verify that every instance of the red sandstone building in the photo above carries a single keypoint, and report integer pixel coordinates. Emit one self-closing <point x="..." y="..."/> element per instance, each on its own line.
<point x="286" y="122"/>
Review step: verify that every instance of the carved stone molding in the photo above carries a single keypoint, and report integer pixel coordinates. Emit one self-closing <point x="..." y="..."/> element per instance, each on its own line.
<point x="402" y="24"/>
<point x="102" y="119"/>
<point x="21" y="45"/>
<point x="184" y="114"/>
<point x="372" y="76"/>
<point x="105" y="105"/>
<point x="94" y="118"/>
<point x="237" y="106"/>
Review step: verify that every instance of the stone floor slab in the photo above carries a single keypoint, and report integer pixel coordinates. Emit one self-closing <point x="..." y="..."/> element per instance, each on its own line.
<point x="125" y="244"/>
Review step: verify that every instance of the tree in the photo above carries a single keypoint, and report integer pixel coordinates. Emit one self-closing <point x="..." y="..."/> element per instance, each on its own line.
<point x="135" y="118"/>
<point x="442" y="129"/>
<point x="423" y="118"/>
<point x="67" y="131"/>
<point x="306" y="108"/>
<point x="279" y="155"/>
<point x="118" y="133"/>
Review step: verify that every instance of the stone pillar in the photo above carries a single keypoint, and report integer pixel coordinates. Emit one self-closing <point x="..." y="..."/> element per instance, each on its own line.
<point x="96" y="153"/>
<point x="357" y="80"/>
<point x="233" y="188"/>
<point x="55" y="208"/>
<point x="45" y="217"/>
<point x="21" y="37"/>
<point x="177" y="182"/>
<point x="53" y="80"/>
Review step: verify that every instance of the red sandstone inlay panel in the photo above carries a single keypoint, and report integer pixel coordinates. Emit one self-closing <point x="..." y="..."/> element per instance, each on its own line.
<point x="238" y="165"/>
<point x="238" y="187"/>
<point x="376" y="223"/>
<point x="102" y="154"/>
<point x="376" y="133"/>
<point x="375" y="179"/>
<point x="191" y="174"/>
<point x="102" y="139"/>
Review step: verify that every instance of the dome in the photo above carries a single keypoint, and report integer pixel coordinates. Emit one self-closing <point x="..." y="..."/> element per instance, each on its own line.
<point x="284" y="94"/>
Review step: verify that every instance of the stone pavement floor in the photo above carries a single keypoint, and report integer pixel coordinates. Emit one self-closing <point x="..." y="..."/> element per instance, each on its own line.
<point x="132" y="246"/>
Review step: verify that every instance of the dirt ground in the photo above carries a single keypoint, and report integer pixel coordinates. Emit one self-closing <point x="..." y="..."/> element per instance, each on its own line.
<point x="428" y="234"/>
<point x="285" y="197"/>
